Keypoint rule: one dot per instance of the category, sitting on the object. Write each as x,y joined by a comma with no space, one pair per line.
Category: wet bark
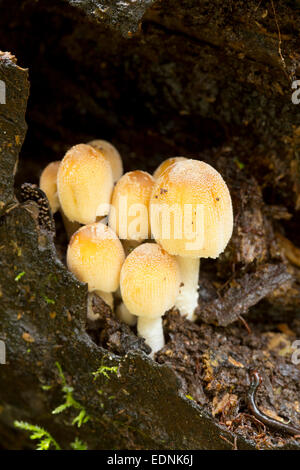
158,79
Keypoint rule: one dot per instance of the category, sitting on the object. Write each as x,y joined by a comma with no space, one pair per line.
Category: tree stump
158,79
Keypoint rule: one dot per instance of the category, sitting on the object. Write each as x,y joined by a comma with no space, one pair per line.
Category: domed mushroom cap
191,210
165,164
48,184
129,215
95,255
149,281
112,155
84,184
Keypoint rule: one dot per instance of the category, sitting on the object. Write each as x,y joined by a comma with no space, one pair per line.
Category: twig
279,41
249,290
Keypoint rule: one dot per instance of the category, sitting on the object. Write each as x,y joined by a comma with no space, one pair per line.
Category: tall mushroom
191,217
95,255
129,217
112,156
149,285
84,184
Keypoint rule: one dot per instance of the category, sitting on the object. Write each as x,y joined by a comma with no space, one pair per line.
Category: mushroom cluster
137,238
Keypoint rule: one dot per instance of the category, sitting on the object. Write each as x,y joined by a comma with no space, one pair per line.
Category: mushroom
197,198
165,164
84,183
123,313
48,184
149,285
129,217
95,255
112,155
129,212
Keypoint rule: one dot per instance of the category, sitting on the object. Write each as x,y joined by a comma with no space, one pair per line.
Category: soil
215,91
214,363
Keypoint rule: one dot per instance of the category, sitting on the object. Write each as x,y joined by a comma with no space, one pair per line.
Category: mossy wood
162,80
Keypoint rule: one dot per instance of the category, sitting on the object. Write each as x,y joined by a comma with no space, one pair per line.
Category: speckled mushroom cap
129,216
112,155
149,281
84,184
48,184
195,191
95,255
165,164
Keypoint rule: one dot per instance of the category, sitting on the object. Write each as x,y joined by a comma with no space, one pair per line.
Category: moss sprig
46,441
70,402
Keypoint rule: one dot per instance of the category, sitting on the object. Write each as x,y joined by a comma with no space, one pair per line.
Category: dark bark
201,79
12,123
42,321
124,16
246,293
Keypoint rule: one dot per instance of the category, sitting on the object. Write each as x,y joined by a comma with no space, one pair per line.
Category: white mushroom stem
125,316
151,329
187,300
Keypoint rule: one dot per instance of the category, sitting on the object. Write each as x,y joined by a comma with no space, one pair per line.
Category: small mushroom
48,184
191,217
149,285
95,255
84,183
124,315
112,155
165,164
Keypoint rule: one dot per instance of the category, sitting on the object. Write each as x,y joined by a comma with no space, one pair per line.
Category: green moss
45,440
105,371
19,276
70,402
49,301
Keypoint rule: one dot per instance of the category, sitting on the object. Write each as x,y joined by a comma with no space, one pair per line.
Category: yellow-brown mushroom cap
129,216
95,255
112,155
48,184
198,196
149,281
165,164
84,184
